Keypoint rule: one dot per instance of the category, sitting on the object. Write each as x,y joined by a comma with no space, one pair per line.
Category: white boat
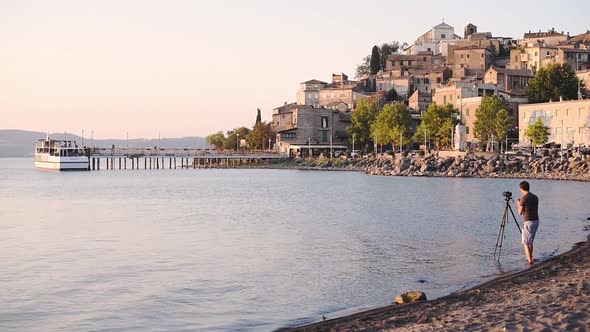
60,155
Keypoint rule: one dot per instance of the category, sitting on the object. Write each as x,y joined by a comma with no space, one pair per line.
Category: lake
228,249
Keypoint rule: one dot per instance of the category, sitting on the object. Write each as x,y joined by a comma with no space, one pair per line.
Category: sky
190,68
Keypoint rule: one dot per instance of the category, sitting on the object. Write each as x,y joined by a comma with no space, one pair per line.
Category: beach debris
422,281
411,296
588,218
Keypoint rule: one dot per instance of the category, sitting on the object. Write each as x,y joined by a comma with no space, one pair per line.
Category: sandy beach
552,295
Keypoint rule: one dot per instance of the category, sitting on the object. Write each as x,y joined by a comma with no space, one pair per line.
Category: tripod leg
514,217
500,238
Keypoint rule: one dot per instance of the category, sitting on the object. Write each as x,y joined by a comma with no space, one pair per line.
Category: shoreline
536,299
469,166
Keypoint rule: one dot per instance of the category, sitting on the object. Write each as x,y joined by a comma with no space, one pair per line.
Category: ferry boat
59,155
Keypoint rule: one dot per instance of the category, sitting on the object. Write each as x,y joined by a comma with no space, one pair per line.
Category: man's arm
520,203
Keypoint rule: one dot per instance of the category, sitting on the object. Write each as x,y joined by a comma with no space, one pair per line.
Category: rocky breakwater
471,165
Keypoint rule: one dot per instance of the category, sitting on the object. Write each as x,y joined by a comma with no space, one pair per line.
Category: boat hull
62,165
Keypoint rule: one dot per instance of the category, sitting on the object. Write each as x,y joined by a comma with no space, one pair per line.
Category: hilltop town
445,69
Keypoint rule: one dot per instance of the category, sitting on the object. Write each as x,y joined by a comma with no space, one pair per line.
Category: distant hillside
20,143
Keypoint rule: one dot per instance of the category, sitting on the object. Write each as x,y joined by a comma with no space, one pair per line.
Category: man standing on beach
528,206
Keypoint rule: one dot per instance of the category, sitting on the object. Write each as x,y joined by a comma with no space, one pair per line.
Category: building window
324,136
482,55
324,122
424,59
438,80
467,111
443,36
467,130
289,135
429,50
426,81
547,52
536,53
467,56
461,56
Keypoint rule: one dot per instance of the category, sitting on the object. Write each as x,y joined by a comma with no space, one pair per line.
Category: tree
487,121
364,68
438,123
392,123
552,82
538,133
375,60
502,125
387,49
260,135
392,95
258,116
231,143
217,140
362,119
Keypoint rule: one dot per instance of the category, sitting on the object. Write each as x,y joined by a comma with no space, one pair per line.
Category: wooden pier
157,158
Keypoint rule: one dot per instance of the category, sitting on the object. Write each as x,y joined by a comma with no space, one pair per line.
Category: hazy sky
195,67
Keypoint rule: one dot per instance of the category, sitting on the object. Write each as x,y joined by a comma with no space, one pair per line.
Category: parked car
542,152
355,154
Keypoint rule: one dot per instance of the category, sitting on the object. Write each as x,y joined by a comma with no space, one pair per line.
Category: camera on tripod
507,210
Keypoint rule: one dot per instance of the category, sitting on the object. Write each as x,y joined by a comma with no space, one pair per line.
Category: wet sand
553,295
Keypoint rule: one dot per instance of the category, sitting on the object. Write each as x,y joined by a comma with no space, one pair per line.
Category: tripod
500,238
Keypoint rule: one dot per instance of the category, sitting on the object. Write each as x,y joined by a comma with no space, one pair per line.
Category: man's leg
527,251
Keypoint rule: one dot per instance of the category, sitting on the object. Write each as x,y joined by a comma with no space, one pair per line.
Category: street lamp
237,142
82,137
309,146
425,147
562,136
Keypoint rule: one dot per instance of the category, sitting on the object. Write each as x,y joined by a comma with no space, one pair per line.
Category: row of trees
256,138
392,124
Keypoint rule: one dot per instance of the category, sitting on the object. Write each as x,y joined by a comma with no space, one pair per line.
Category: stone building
472,57
402,85
419,101
568,121
532,55
550,37
399,63
427,79
302,129
309,92
342,90
577,57
512,81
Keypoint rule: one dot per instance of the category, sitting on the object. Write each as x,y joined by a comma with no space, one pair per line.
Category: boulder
411,296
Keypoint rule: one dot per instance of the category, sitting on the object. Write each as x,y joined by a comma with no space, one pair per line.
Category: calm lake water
180,250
